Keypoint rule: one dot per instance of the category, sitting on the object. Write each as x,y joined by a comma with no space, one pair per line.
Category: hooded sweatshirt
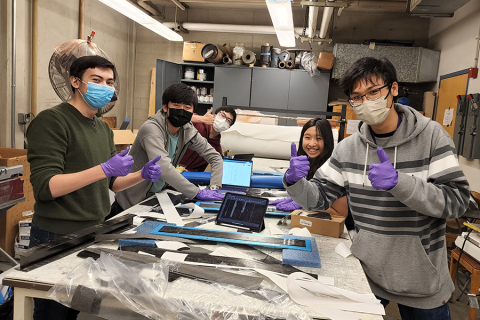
152,140
401,232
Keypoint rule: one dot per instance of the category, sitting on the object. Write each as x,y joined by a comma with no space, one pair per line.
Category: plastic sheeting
97,287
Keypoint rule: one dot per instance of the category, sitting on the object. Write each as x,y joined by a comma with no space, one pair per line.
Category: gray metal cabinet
167,73
308,93
233,83
270,88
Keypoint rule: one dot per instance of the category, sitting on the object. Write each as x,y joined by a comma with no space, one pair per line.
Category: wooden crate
350,116
9,220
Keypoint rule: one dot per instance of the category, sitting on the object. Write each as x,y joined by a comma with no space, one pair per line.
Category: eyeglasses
224,116
371,95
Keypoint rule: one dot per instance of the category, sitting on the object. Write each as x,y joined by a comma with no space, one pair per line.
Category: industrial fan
59,68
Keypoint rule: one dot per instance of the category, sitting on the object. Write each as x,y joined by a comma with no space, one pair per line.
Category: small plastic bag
309,63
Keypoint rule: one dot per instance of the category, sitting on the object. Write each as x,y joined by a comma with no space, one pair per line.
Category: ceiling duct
434,8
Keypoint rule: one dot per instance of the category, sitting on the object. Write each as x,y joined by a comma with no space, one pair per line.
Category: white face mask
372,112
220,124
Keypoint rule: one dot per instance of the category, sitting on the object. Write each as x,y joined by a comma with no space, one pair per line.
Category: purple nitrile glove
383,175
151,170
299,166
209,195
277,201
288,205
119,165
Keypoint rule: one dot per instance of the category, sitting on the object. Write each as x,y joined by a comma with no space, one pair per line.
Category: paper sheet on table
274,229
197,211
228,251
331,300
171,245
343,250
305,290
169,210
301,232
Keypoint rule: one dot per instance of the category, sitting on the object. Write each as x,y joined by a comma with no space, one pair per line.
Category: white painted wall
58,23
455,38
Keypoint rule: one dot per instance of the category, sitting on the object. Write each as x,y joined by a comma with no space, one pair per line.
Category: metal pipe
327,15
178,4
33,95
81,19
235,28
475,65
149,8
312,21
14,69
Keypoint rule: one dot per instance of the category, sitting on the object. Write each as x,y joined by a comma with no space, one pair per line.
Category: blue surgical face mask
98,95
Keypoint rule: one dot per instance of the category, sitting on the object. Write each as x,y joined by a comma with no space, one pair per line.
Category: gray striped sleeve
445,194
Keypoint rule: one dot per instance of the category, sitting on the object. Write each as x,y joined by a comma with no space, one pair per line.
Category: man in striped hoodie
402,179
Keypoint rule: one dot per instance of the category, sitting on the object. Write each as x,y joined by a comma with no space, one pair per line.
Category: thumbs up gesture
208,117
151,170
383,175
119,165
299,166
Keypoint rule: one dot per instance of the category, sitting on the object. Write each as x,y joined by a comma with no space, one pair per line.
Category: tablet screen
243,211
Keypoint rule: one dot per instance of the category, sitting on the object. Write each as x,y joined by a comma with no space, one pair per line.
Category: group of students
397,211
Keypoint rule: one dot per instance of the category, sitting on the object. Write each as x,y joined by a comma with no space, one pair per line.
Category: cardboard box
325,60
332,228
122,139
428,105
192,51
9,221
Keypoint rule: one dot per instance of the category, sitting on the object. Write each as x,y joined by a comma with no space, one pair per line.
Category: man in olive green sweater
73,163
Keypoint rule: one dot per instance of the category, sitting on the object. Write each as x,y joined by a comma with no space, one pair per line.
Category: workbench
347,272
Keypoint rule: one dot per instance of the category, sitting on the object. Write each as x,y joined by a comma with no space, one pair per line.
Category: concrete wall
348,28
455,37
58,23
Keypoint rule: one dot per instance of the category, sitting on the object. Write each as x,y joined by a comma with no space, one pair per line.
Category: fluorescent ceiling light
282,18
140,17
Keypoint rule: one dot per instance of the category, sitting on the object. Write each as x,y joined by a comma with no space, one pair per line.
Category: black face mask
179,117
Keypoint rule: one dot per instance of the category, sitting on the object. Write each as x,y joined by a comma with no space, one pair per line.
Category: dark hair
366,68
230,110
180,93
80,65
325,130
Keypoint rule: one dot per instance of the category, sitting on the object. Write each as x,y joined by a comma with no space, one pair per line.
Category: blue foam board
146,227
302,258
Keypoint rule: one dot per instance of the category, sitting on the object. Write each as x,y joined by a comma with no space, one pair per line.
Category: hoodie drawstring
366,161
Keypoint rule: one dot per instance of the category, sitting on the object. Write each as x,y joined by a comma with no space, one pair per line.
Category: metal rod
14,68
303,39
477,49
33,108
324,4
81,18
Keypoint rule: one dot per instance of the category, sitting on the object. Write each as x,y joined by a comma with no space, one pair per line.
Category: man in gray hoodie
402,179
170,133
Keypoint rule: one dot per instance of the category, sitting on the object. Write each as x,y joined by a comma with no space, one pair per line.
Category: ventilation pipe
327,15
149,8
234,28
312,20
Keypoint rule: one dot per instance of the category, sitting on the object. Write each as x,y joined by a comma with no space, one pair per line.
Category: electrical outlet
23,118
